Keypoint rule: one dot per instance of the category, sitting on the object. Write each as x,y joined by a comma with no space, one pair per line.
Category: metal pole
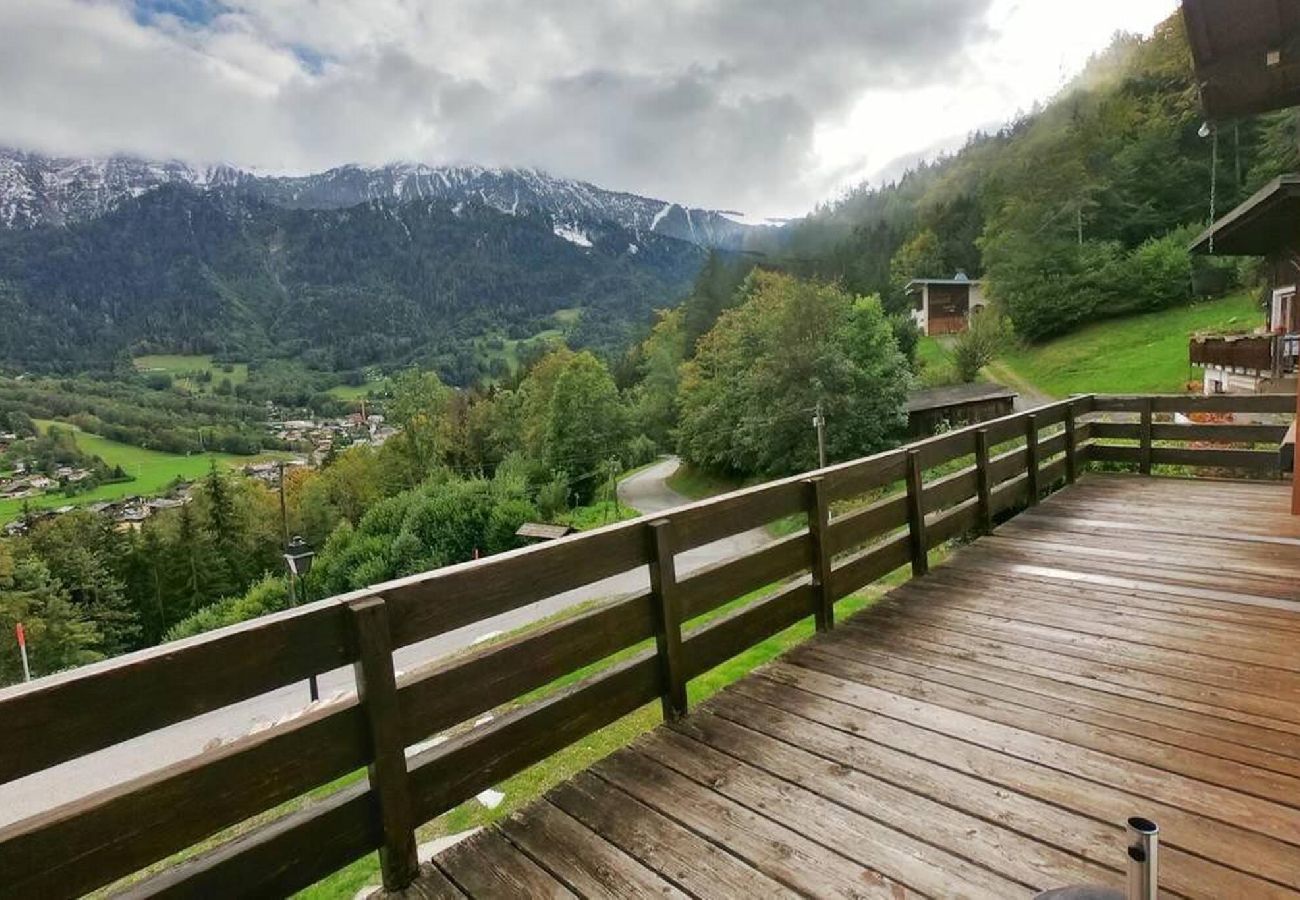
820,423
313,689
1143,862
284,512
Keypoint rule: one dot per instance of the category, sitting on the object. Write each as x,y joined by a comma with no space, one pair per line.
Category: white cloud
758,105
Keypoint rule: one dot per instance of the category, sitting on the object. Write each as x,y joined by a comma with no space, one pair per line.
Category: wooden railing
1251,352
890,510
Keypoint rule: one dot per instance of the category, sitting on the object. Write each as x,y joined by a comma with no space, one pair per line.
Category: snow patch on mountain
38,190
572,234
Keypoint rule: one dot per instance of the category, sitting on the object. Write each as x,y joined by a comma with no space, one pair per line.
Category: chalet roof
960,279
1246,54
543,531
957,395
1259,226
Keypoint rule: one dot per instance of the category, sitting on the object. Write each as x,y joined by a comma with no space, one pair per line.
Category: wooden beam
1144,437
1071,448
377,693
916,514
668,627
1031,458
984,488
818,522
1295,482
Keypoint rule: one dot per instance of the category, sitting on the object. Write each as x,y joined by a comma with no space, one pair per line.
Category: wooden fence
891,510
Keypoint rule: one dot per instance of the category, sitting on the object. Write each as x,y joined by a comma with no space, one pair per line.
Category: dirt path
1030,395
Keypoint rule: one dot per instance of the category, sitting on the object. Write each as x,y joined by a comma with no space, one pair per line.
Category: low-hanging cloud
713,103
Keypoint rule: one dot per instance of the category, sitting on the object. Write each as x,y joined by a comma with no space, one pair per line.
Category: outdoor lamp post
298,556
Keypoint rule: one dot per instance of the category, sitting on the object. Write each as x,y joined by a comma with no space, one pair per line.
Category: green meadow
152,470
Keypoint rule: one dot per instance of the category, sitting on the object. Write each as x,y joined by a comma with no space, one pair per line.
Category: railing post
983,488
1144,452
1071,462
377,694
668,626
819,517
1031,457
916,515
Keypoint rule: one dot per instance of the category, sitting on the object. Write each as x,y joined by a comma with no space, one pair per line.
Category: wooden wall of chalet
949,308
923,422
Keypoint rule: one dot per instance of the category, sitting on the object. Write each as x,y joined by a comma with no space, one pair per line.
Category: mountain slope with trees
1075,212
183,270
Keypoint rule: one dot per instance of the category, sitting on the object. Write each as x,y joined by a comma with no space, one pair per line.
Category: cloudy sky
762,106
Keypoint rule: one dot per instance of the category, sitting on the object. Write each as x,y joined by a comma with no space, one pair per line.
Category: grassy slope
354,392
1146,353
698,484
935,363
153,470
174,364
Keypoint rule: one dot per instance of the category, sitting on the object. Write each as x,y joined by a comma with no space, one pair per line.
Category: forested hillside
183,270
1078,211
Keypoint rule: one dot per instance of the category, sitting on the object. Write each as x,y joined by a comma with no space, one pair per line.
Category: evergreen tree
60,635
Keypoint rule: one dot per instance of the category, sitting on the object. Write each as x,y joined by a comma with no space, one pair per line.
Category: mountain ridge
38,190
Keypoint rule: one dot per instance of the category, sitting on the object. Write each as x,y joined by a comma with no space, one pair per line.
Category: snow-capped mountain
39,190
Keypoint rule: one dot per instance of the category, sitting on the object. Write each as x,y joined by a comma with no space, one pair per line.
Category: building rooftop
1246,54
957,395
959,278
1258,226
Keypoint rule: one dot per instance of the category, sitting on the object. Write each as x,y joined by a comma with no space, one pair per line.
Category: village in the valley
314,439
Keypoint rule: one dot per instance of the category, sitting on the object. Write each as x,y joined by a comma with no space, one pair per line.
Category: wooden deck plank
585,862
875,846
684,858
1215,680
720,748
487,865
1228,845
1175,687
1172,788
980,672
1080,730
975,781
1126,647
782,853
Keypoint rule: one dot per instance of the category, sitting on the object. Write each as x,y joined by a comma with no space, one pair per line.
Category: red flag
22,635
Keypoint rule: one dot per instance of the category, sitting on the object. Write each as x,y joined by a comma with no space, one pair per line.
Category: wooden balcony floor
1129,647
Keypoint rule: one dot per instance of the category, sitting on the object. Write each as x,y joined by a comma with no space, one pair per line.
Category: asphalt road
647,491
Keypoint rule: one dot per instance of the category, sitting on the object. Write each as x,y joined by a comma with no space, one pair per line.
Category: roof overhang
1246,54
1262,225
920,282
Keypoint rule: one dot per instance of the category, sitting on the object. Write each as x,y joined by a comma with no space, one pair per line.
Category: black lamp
298,556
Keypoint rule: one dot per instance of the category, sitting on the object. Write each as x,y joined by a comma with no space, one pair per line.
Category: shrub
980,344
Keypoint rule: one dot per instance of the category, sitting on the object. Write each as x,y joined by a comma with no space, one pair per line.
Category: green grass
935,363
1137,354
181,365
698,484
353,392
152,471
585,518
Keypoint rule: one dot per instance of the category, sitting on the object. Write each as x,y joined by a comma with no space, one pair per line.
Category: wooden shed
944,305
957,405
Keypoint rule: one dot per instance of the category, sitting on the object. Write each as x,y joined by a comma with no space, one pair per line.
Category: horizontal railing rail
860,521
1251,444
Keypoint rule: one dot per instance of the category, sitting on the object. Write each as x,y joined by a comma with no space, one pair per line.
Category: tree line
1079,210
468,467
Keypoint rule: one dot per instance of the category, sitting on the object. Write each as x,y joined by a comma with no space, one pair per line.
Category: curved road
647,491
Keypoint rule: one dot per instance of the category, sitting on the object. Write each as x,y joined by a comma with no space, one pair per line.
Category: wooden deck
1129,647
